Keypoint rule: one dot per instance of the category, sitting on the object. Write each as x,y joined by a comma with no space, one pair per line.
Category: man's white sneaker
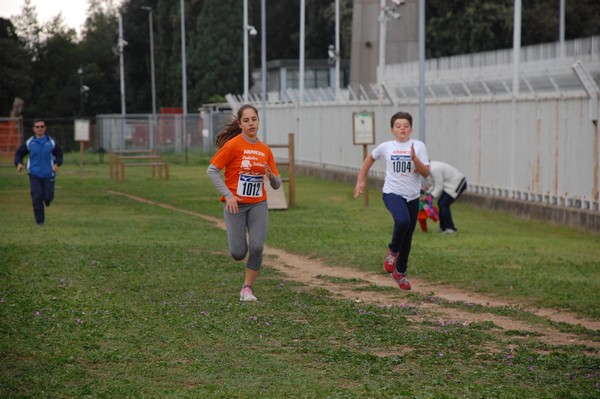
246,295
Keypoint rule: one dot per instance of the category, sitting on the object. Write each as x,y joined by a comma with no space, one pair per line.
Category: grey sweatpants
254,219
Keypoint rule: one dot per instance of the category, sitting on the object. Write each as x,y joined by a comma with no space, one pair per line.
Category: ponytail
233,128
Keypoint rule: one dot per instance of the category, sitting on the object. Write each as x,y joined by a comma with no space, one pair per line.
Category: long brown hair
233,128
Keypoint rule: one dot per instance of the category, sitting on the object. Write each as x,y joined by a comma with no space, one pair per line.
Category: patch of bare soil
336,280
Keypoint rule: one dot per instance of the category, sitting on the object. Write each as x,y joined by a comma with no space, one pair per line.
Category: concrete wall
402,44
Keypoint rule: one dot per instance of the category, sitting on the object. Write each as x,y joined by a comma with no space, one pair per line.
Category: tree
15,68
42,62
215,59
55,91
459,27
462,27
28,28
51,50
99,58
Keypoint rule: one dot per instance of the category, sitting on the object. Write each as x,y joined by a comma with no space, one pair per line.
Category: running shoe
246,295
390,261
402,281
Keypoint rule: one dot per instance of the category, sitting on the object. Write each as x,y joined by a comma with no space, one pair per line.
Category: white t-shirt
401,176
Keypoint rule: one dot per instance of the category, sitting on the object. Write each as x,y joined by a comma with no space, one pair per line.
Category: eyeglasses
39,126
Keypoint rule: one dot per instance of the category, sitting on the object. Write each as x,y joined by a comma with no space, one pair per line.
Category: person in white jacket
447,184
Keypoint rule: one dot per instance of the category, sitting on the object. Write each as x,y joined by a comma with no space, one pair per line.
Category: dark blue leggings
405,219
42,192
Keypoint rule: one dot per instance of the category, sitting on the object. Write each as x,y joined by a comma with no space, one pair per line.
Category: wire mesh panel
164,133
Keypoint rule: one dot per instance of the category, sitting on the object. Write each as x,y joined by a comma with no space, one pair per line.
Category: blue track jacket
43,153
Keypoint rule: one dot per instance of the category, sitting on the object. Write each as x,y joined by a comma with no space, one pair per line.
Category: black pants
444,203
42,192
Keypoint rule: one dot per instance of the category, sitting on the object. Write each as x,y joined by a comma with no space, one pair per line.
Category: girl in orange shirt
246,161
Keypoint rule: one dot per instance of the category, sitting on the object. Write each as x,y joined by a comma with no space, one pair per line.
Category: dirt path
315,274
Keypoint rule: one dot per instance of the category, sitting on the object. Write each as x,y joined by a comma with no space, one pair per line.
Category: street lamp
386,13
149,9
248,30
83,90
121,44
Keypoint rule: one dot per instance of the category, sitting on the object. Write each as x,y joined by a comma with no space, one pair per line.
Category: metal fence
539,144
14,131
163,133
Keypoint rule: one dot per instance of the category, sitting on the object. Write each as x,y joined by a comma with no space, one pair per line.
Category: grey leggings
251,217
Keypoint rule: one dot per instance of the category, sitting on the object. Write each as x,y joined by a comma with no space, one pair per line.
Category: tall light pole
561,32
245,32
149,9
385,14
183,61
248,30
302,50
122,43
515,89
422,70
183,79
263,64
80,72
382,40
333,53
337,48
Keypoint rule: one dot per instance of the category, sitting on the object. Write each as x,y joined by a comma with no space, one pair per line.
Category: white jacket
444,178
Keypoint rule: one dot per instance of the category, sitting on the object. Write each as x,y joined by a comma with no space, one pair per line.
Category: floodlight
332,54
331,51
252,30
392,12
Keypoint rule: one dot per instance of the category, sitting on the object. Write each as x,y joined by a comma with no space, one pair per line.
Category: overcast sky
73,11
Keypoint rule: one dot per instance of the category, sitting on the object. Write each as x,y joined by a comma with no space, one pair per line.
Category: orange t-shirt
244,162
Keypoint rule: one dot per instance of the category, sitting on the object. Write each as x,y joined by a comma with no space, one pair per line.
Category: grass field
115,298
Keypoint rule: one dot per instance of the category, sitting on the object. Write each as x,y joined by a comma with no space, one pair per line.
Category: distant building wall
402,41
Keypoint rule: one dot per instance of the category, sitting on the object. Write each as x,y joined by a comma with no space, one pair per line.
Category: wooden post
81,157
111,164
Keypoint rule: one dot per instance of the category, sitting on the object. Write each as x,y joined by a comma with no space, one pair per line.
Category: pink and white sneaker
246,295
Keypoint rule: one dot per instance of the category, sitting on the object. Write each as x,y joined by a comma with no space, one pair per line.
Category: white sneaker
246,295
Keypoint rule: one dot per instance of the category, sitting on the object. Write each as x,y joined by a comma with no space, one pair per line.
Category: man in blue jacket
45,156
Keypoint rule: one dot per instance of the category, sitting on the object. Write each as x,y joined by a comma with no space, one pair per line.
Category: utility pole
122,43
152,80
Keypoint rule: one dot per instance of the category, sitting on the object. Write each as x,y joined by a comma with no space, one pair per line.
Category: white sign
82,130
363,124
